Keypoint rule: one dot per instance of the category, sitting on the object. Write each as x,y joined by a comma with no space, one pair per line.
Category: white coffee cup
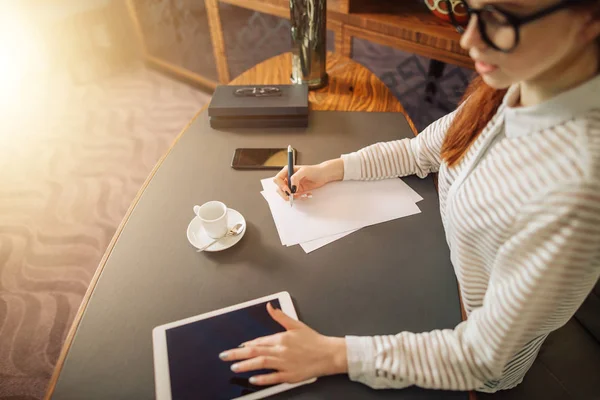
214,218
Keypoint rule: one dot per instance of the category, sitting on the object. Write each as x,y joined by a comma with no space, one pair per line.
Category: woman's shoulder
586,145
569,151
568,163
588,123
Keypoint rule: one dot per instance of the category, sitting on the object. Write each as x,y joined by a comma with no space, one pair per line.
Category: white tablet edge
161,361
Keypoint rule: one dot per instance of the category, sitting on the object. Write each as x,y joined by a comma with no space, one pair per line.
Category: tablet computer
186,352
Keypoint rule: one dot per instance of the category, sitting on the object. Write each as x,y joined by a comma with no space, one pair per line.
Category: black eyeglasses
257,92
500,29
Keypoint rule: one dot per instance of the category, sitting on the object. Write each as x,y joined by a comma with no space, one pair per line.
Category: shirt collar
520,121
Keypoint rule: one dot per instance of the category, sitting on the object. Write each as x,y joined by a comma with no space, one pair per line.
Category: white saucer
198,237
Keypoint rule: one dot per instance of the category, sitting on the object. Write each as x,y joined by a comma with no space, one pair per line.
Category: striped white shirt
522,219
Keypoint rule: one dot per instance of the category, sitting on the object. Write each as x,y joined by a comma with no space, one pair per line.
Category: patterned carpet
405,74
72,159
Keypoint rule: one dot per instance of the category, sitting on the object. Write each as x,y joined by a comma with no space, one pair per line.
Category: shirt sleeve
540,276
419,155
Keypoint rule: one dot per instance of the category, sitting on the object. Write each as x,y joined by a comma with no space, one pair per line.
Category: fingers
281,180
297,196
282,194
282,174
268,379
303,196
283,319
260,362
271,340
296,179
248,352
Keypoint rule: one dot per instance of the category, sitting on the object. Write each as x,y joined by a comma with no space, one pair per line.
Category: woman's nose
472,37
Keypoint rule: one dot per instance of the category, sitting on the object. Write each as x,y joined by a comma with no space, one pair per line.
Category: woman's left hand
298,354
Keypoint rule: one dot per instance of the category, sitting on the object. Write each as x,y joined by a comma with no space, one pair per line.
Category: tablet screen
193,351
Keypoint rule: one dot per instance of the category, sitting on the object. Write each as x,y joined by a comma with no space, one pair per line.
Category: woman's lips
485,68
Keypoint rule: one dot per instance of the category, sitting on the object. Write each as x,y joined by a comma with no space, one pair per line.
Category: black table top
382,279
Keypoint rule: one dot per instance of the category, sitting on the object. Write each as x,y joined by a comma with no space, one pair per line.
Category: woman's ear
590,30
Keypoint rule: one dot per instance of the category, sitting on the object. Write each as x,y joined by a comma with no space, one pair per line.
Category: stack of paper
338,209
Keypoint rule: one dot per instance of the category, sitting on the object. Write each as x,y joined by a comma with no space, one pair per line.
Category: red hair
483,103
470,120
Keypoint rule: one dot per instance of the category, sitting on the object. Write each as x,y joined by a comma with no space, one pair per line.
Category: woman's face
544,45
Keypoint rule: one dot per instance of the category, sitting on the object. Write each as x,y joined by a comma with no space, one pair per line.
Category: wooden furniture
150,275
351,87
407,25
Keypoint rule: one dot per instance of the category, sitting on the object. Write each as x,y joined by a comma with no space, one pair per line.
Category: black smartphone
260,158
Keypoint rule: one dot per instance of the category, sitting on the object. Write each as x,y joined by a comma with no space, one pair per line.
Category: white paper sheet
313,245
318,243
339,207
416,197
275,219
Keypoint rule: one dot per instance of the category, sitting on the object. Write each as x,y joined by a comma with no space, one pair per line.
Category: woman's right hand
308,177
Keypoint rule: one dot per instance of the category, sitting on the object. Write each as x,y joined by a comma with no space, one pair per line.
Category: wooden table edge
88,294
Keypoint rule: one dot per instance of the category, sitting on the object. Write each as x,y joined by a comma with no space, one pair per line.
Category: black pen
290,173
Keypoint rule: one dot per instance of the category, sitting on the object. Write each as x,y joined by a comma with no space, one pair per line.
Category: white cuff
361,354
352,169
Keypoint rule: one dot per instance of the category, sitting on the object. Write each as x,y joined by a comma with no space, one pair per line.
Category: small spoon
236,230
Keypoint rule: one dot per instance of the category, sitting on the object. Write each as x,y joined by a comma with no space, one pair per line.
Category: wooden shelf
280,8
382,15
379,15
407,25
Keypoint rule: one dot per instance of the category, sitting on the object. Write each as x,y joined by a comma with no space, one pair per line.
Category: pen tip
289,148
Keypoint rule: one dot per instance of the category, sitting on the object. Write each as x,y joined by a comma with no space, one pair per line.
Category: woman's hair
470,120
475,114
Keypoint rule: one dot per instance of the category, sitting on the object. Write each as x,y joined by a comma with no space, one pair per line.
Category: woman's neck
565,75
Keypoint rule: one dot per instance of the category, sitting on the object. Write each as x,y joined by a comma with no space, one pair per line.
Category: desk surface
381,280
151,275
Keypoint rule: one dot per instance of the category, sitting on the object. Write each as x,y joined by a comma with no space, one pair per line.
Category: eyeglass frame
515,21
268,91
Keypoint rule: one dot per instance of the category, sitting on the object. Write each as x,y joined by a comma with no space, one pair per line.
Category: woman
519,186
